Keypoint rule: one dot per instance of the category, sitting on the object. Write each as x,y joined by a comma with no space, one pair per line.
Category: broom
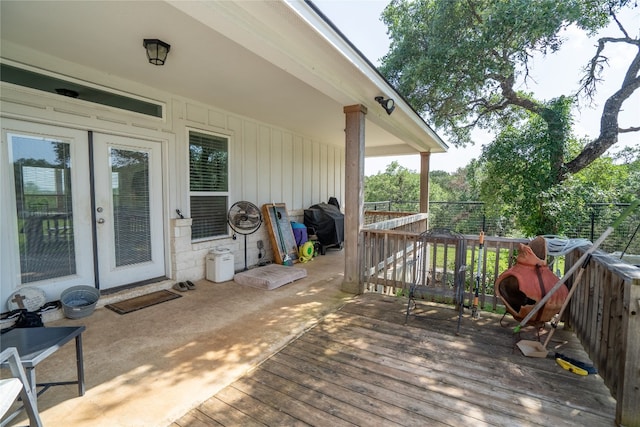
474,307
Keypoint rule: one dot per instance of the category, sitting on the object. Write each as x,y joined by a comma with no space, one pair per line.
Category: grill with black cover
327,222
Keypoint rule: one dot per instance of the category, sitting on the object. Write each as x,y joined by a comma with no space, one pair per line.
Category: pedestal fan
244,218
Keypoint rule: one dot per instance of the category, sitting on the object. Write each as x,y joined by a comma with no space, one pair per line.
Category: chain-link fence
470,218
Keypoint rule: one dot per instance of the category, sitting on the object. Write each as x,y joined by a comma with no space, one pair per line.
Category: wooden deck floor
363,366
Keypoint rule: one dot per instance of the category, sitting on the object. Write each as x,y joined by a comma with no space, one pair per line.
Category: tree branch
472,7
628,130
620,26
512,97
632,72
609,128
597,63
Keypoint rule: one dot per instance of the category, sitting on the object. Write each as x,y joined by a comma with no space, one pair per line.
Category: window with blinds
208,184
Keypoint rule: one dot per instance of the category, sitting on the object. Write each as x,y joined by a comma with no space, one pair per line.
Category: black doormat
138,303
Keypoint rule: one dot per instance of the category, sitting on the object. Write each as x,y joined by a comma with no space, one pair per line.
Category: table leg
80,365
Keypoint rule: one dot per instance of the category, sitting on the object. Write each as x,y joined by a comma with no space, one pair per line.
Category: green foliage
396,183
399,184
437,192
518,180
457,61
518,170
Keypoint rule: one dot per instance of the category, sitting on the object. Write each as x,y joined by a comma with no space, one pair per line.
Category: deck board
328,397
363,366
226,414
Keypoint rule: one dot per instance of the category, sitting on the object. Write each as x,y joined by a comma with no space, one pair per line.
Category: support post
425,158
354,197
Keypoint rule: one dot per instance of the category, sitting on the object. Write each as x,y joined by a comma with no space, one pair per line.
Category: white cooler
219,265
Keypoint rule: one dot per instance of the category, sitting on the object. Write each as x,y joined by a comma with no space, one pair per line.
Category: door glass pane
42,174
130,190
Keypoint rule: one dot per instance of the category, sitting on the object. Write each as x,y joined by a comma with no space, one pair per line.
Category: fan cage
244,217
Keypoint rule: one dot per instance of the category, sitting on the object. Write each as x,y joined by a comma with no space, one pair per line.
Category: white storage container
219,265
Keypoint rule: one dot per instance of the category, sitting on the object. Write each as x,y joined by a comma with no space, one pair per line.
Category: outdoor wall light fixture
157,51
388,104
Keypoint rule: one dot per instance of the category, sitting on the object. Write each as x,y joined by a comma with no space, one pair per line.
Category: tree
515,181
515,176
458,186
460,61
395,184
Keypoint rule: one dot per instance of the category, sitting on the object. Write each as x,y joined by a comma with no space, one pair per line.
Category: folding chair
11,388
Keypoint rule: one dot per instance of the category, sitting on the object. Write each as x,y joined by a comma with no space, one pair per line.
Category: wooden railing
380,218
394,260
605,314
605,311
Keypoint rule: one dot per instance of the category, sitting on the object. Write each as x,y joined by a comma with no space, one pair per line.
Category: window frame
199,193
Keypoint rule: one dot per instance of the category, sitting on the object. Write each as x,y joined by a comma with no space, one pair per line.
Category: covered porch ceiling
278,62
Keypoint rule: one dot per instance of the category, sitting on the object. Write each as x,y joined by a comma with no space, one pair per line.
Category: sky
359,21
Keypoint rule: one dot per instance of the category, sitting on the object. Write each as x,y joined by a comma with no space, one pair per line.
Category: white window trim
226,194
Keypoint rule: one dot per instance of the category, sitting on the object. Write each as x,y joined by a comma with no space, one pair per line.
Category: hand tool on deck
474,307
534,348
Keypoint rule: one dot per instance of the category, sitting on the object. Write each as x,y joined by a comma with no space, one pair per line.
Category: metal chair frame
17,386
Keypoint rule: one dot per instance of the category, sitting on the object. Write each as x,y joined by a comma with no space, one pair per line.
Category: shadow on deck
362,366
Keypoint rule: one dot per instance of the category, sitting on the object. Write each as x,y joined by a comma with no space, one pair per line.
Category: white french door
62,228
128,209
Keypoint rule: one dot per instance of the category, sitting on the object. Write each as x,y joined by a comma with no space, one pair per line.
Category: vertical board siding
264,180
315,172
236,176
266,164
339,170
331,173
248,163
298,171
307,182
278,165
324,173
283,167
288,171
